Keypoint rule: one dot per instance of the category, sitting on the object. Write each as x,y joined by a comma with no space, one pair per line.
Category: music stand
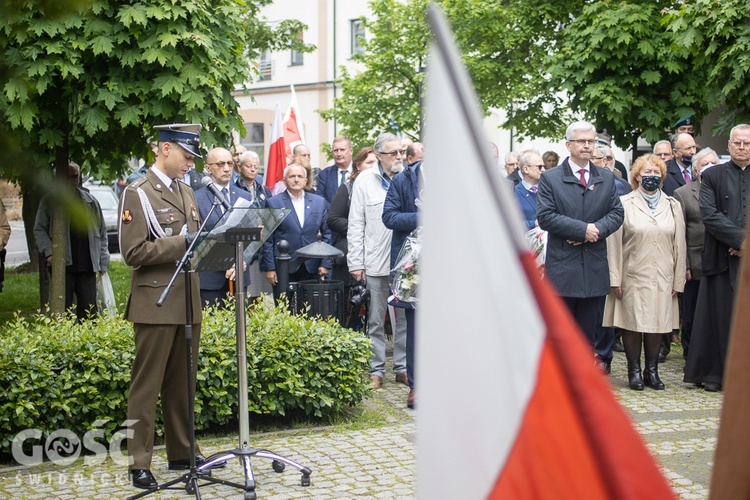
241,232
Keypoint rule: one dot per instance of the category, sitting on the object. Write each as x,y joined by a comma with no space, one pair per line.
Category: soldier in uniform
159,217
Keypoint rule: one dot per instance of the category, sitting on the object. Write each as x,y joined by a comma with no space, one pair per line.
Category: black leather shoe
711,387
618,347
143,479
184,464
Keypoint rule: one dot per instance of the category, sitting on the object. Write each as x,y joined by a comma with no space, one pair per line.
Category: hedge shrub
57,374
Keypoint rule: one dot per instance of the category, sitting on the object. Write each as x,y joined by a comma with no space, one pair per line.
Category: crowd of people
645,263
634,256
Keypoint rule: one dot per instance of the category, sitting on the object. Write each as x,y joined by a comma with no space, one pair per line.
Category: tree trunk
59,228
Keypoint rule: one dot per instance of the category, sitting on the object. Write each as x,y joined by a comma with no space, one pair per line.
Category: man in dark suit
679,169
687,195
723,202
332,177
219,164
300,228
578,205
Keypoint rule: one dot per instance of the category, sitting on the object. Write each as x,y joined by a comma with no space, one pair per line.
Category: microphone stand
190,479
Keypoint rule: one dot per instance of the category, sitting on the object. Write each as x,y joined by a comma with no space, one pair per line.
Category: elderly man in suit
219,163
330,178
679,168
300,228
159,218
578,205
687,195
531,170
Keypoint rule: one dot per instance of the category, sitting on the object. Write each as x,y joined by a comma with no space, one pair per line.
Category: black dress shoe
711,387
618,347
143,479
184,464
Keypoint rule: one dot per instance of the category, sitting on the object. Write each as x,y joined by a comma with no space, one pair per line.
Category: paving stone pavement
679,425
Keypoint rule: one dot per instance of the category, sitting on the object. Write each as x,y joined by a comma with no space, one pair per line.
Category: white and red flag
510,402
293,134
276,153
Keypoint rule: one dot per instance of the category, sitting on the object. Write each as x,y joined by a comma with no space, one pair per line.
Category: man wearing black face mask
679,170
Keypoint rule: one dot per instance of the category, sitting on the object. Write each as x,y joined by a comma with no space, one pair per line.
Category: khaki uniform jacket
153,259
647,258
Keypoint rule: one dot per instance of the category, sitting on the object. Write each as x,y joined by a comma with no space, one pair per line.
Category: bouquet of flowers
537,239
405,275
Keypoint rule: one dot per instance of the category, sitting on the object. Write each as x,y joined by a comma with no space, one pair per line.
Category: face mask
651,182
686,159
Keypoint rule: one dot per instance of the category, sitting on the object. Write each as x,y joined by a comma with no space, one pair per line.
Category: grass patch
20,294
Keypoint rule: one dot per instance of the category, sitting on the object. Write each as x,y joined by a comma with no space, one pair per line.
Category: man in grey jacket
86,250
368,257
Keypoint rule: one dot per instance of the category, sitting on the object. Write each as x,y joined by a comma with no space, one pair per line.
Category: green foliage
57,374
98,75
616,65
715,36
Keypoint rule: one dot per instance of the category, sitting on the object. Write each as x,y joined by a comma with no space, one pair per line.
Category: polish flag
276,154
292,131
510,402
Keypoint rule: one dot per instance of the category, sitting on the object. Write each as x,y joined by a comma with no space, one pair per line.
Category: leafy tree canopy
95,76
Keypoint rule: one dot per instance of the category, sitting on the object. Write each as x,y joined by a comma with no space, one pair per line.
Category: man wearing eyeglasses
578,205
663,149
603,157
531,168
369,251
679,168
723,201
511,167
333,176
219,165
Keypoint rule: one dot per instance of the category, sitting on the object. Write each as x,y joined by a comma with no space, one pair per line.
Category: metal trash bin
324,298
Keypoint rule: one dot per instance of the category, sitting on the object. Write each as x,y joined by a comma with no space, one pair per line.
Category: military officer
158,218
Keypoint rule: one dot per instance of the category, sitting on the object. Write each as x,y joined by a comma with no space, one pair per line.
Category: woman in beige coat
647,268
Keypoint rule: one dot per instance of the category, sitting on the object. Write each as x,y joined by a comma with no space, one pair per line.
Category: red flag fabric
276,153
511,404
291,132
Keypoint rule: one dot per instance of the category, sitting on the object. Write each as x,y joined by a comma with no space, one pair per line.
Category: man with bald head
679,169
219,165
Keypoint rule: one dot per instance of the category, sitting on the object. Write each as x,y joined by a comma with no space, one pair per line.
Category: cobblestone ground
679,424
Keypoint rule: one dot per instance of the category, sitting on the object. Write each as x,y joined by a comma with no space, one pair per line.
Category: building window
296,54
265,66
253,141
357,35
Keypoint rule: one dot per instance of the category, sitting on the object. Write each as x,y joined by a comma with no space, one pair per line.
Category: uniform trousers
160,367
379,290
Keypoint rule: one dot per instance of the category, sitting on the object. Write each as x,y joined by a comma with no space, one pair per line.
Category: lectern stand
236,238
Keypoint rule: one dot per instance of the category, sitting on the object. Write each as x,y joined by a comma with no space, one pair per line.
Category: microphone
209,184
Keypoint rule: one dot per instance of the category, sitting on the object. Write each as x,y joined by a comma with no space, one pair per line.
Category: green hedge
56,374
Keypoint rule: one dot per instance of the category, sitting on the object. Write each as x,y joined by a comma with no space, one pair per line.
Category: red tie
582,174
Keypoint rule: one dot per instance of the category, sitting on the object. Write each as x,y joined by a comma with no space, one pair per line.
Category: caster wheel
278,466
305,481
250,495
190,488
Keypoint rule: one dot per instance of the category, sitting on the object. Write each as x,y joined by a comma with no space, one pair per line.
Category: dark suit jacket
328,183
722,207
687,195
564,208
195,179
527,202
215,280
316,213
674,178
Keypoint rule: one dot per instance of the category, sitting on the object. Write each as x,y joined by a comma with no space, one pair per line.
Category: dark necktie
225,194
343,177
582,174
